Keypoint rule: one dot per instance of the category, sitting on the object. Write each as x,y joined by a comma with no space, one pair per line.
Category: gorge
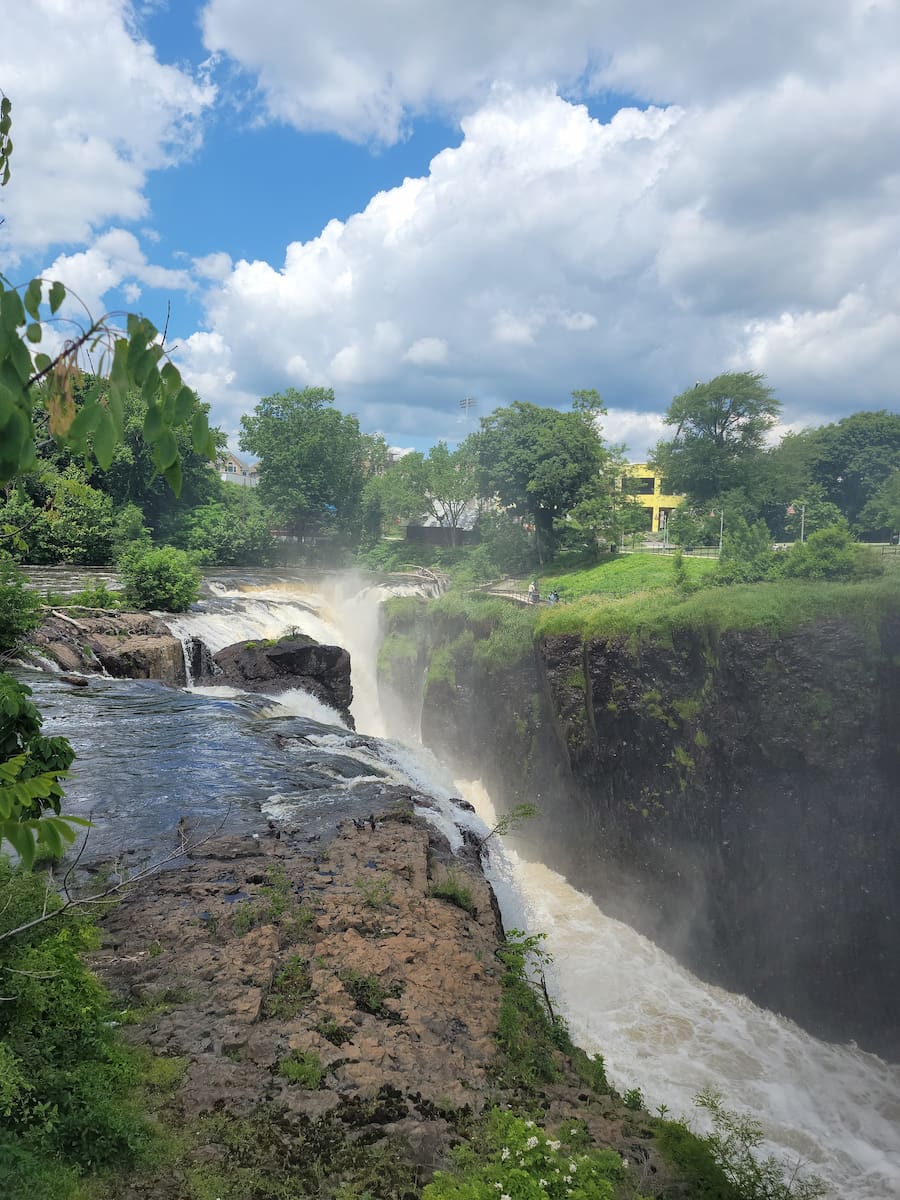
516,732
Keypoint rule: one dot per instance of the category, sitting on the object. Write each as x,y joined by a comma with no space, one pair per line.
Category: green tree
163,578
881,515
854,457
720,428
313,460
540,462
440,484
234,531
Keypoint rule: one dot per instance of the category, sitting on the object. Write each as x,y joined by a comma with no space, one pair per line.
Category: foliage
538,461
163,579
852,459
829,554
519,1159
19,607
809,511
735,1142
511,821
720,427
95,595
303,1067
234,531
692,526
881,514
504,542
441,484
313,460
452,889
31,769
747,554
65,1080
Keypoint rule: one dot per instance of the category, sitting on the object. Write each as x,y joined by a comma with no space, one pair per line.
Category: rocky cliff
736,796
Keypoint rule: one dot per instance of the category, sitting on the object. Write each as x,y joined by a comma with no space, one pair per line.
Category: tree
854,457
747,555
881,515
313,460
441,484
719,431
163,578
41,396
539,462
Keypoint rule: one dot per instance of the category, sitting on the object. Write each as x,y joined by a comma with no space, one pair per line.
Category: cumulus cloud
551,250
93,112
363,70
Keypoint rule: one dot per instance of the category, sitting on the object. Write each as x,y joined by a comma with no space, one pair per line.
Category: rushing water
149,755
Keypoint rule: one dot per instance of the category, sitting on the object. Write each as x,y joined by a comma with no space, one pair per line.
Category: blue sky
414,203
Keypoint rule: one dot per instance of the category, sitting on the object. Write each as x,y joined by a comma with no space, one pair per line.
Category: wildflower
542,1183
504,1154
504,1196
529,1124
554,1145
531,1143
573,1166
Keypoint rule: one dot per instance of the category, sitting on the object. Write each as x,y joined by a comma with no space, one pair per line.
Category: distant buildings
232,470
648,489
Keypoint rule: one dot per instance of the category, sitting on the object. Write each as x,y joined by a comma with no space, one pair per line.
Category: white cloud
363,70
553,251
93,112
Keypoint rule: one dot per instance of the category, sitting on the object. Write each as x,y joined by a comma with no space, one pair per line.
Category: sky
418,202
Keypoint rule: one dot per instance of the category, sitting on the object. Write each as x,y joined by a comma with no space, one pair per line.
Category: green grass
775,608
621,575
303,1067
452,889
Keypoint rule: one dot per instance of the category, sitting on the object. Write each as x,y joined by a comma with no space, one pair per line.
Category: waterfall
658,1027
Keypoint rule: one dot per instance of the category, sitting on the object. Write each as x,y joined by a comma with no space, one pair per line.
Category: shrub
164,578
829,554
19,607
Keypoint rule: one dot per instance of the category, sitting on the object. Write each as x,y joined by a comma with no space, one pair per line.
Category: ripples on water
148,755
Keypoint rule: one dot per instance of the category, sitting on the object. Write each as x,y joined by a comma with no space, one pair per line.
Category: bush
829,554
19,607
65,1079
165,578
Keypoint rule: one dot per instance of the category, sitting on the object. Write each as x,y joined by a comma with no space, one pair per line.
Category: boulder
132,645
290,662
145,657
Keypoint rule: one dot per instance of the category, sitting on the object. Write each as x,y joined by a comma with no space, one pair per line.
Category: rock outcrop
130,645
732,795
290,662
326,1005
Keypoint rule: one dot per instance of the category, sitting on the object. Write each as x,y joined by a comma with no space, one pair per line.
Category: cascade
658,1027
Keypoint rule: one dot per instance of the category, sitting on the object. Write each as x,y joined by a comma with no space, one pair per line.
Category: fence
692,551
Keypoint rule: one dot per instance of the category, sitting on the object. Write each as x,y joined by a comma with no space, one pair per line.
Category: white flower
542,1183
529,1124
504,1153
498,1186
573,1166
554,1145
531,1143
504,1196
624,1162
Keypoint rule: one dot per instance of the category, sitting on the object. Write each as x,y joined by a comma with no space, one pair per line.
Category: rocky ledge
127,645
333,1015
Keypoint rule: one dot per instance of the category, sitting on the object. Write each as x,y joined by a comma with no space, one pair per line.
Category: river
149,755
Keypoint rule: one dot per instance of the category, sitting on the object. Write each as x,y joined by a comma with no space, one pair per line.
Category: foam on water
669,1033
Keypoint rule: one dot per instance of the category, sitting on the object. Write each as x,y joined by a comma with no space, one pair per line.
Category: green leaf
57,295
165,450
199,432
171,378
153,424
86,422
172,476
42,361
184,405
104,439
33,332
20,838
12,312
32,299
48,836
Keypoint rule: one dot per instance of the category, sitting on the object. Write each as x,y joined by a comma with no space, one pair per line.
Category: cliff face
736,797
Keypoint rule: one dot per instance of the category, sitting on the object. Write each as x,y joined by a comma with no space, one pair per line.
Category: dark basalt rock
290,662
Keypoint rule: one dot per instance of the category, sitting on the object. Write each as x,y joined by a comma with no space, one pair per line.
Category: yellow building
648,488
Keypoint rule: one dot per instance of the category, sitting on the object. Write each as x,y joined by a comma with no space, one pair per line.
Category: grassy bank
775,608
620,575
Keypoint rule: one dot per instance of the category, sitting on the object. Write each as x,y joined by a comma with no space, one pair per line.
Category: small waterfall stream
659,1027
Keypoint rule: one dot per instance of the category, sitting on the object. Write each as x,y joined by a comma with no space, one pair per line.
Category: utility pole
721,529
802,523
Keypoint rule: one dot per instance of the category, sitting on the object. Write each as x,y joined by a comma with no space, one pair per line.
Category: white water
658,1027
